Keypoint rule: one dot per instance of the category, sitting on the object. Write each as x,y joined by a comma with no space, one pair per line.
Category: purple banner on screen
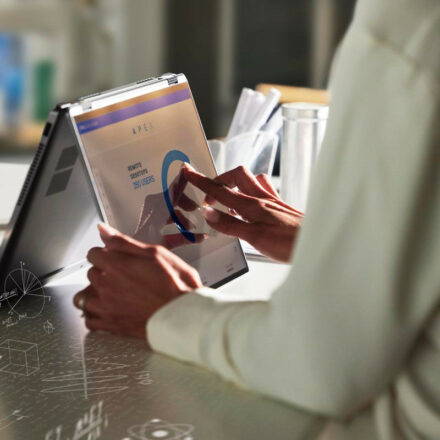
132,111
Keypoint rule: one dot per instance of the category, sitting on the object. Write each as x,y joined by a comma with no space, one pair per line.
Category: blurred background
56,50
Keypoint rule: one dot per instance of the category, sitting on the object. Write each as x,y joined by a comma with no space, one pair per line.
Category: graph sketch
20,284
8,420
90,426
92,377
159,429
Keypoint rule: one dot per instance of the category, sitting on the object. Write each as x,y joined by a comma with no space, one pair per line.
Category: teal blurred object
43,78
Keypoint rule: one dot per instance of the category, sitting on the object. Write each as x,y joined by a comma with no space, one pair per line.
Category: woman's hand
129,281
155,216
265,221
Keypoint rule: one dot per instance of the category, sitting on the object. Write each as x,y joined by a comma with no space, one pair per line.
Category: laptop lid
55,217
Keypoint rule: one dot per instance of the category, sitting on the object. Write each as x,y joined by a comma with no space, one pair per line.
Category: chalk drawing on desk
48,327
19,357
91,379
143,377
159,429
20,284
15,416
90,426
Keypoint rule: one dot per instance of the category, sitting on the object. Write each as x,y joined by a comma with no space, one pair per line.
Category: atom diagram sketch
91,379
157,429
19,284
15,416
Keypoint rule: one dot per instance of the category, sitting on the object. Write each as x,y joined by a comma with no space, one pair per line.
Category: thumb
229,225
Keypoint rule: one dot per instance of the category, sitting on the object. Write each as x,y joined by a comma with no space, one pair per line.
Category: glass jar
303,130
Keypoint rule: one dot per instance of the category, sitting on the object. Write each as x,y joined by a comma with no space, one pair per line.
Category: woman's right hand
259,215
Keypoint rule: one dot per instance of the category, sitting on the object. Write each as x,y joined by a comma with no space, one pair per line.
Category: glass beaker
303,130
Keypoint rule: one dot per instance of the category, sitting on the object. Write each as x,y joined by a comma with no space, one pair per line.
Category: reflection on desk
59,382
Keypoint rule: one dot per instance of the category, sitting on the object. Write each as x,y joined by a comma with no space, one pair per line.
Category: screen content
135,150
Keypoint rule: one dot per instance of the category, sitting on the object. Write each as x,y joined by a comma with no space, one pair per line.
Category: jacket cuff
193,328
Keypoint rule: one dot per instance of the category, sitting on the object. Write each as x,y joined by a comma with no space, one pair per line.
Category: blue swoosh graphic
169,159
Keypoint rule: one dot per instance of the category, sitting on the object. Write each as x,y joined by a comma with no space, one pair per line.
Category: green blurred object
43,89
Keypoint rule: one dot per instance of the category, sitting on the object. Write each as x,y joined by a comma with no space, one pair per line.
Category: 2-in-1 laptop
117,157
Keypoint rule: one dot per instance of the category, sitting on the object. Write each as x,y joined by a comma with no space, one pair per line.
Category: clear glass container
303,130
255,150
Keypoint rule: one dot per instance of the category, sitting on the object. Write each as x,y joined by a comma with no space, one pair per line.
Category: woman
354,331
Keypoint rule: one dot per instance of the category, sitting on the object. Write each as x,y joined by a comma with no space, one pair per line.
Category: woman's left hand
129,282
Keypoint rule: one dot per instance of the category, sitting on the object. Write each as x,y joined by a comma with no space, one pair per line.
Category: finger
108,233
186,203
126,327
97,278
265,182
178,185
116,241
244,180
247,206
183,270
186,223
230,225
93,306
95,323
106,259
173,241
89,290
179,198
120,266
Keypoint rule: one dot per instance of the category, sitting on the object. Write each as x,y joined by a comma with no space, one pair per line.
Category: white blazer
354,332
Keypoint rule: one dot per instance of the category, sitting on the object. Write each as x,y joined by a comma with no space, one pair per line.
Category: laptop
116,157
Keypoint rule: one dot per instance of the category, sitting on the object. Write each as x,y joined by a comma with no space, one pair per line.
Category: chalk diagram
15,416
19,357
90,426
21,283
159,429
144,378
92,379
48,327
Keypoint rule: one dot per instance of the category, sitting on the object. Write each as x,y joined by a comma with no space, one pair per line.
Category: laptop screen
134,149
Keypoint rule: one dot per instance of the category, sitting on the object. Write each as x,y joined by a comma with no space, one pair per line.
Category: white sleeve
365,273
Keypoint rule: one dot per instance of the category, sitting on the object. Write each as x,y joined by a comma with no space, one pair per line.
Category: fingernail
188,166
210,214
208,201
106,230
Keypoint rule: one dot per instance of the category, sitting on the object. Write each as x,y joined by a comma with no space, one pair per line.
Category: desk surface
59,382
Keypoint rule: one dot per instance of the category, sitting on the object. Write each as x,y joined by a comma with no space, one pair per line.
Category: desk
59,382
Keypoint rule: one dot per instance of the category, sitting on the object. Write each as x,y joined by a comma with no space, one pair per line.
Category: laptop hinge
172,78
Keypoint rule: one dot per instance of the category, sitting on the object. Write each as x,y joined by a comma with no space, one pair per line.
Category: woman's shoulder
410,28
